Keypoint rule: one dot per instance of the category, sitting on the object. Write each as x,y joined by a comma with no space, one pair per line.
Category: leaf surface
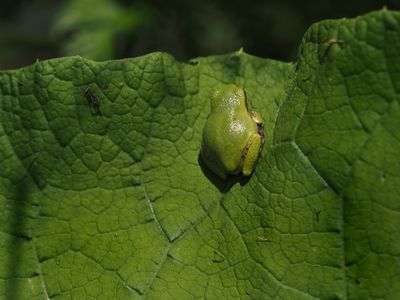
104,195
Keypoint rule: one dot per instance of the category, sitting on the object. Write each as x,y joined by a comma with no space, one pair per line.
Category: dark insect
307,77
93,102
218,257
317,213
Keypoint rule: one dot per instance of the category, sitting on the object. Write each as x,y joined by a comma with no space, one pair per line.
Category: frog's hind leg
251,153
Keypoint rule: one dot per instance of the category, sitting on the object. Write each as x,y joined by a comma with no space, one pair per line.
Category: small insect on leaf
306,78
328,44
93,102
193,62
263,239
218,257
317,213
331,42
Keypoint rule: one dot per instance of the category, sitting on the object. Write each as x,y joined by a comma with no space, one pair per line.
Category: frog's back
226,137
227,131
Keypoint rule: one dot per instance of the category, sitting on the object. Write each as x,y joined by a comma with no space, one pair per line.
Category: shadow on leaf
223,185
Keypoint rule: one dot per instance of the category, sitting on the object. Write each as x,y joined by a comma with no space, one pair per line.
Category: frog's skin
233,136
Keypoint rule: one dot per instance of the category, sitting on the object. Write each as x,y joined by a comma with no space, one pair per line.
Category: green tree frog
233,135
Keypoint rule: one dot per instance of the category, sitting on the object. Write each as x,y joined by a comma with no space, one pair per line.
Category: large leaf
113,202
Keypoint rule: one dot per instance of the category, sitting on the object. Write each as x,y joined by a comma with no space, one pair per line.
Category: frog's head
228,97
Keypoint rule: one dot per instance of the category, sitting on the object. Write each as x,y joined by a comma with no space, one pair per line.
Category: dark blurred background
108,29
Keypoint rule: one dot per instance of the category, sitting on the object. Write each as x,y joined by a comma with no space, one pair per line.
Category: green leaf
108,198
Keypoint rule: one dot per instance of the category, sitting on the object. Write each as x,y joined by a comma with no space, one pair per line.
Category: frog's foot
251,153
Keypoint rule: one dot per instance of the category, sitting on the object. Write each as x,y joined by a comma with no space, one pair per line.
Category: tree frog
233,135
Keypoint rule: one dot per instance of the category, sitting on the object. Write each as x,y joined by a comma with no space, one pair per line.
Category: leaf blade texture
113,203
